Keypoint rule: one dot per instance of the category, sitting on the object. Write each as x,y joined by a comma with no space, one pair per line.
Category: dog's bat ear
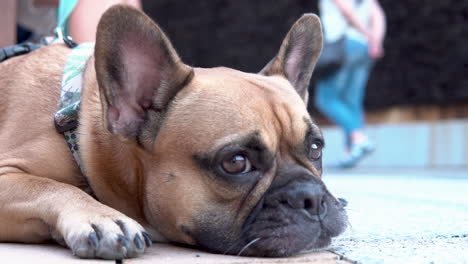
138,70
298,54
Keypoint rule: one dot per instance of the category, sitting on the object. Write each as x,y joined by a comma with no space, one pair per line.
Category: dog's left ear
138,71
298,54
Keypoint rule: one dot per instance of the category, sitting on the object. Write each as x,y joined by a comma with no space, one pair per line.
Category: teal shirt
63,14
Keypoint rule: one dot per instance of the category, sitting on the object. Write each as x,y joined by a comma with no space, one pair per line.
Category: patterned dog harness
66,118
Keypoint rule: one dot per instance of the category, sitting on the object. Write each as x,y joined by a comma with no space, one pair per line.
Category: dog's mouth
280,231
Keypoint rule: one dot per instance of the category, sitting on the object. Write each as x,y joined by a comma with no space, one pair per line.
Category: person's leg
357,83
83,21
328,98
359,69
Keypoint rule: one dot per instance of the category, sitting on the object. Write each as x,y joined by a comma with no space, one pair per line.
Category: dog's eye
315,151
237,164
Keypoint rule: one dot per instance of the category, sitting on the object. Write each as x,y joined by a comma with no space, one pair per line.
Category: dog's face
240,160
232,160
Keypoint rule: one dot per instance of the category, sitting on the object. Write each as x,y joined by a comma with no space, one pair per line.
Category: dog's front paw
107,236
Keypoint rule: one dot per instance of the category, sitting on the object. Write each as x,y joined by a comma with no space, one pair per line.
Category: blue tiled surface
408,145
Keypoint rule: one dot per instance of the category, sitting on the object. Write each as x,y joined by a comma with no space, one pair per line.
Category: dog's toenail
138,242
148,239
93,240
123,241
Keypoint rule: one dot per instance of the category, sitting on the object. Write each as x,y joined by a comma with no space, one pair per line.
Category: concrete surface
171,254
157,254
415,217
404,216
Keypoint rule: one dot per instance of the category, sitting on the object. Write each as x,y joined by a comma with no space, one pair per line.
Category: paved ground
158,254
404,216
395,216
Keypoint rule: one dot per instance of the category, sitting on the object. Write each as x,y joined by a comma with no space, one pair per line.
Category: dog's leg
34,209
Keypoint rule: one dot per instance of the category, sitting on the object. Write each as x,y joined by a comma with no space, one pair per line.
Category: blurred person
35,20
79,18
339,96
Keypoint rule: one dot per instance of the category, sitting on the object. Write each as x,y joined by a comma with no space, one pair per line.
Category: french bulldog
216,158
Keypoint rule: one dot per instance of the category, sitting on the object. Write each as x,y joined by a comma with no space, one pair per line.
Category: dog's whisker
248,245
235,243
351,209
231,246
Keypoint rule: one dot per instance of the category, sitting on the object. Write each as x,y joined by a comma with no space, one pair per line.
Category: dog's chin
285,242
281,233
277,232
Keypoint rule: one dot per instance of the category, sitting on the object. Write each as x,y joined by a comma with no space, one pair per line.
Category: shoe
356,154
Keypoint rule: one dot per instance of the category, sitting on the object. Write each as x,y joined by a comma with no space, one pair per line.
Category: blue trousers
340,96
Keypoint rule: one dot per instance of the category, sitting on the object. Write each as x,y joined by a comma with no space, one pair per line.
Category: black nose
309,197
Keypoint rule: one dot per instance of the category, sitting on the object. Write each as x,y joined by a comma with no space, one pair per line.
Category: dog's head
232,160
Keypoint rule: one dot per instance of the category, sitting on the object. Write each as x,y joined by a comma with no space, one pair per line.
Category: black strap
69,41
26,47
16,50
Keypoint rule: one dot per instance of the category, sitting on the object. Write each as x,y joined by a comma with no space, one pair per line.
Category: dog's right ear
298,54
138,71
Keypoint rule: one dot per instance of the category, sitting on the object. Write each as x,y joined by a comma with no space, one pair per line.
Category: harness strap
66,118
17,50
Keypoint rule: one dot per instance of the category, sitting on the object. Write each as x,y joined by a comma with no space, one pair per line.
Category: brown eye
315,152
237,164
